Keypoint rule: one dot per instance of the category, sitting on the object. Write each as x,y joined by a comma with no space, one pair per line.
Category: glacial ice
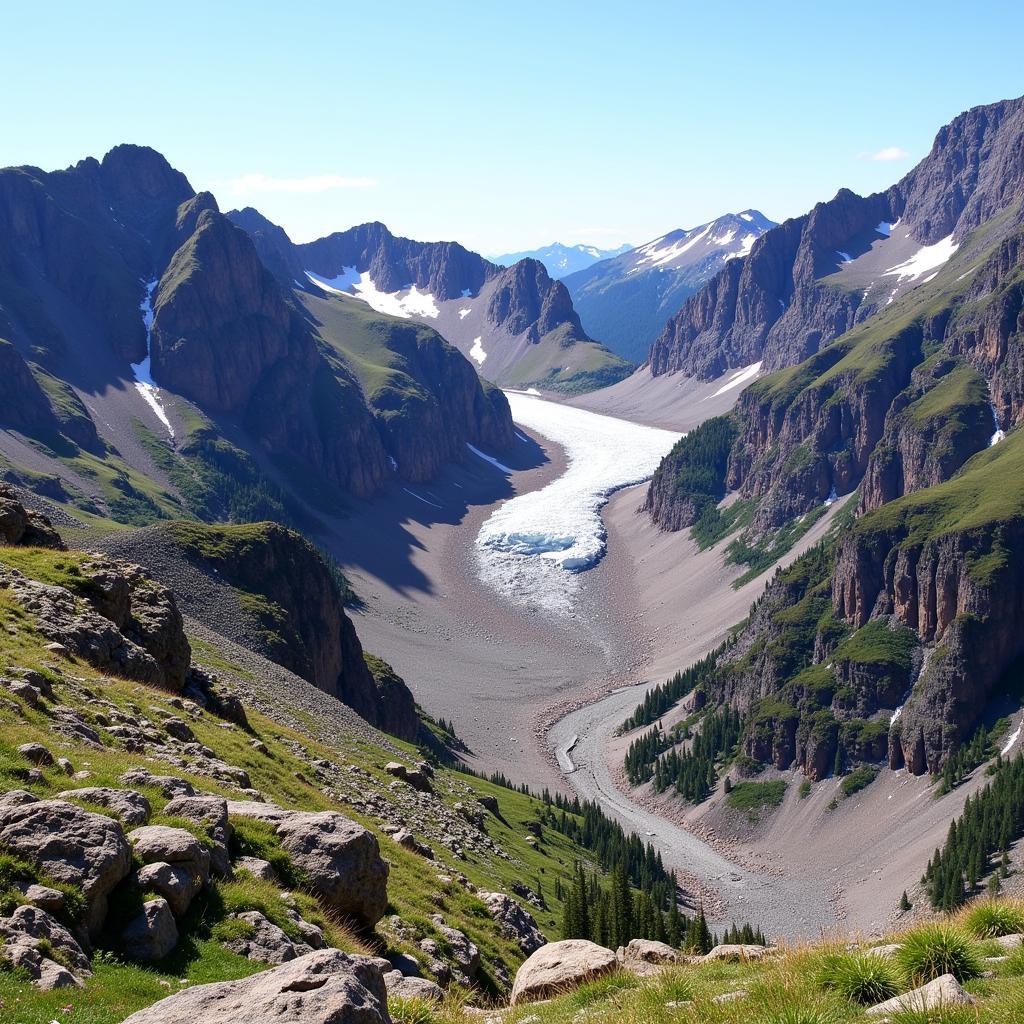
531,547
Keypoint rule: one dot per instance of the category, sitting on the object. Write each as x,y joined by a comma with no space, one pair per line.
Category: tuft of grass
405,1010
859,977
932,950
991,918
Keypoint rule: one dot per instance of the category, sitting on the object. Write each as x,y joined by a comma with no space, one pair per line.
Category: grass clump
991,918
411,1010
932,950
860,977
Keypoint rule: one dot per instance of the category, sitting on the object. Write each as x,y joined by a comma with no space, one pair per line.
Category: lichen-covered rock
650,951
325,987
177,884
31,939
131,807
264,941
412,988
515,922
341,860
211,814
735,951
70,845
559,967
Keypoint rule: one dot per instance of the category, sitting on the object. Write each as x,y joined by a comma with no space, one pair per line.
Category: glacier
533,546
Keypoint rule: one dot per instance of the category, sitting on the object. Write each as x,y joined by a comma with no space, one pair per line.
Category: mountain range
561,260
894,326
627,299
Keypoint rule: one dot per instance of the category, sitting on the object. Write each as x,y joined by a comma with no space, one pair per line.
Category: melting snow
531,547
143,373
928,257
999,432
896,714
657,256
738,378
844,256
746,244
463,313
1014,736
832,497
477,352
351,282
726,238
487,458
745,216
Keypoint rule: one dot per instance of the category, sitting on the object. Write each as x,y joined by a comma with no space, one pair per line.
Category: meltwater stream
531,547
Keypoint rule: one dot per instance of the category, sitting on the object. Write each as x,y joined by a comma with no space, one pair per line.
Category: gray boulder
940,994
559,967
70,845
413,988
36,753
264,941
649,951
30,939
152,934
515,922
342,861
257,867
735,952
131,807
211,813
326,987
178,884
169,785
154,844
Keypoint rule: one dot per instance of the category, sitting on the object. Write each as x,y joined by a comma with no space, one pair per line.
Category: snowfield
531,547
739,378
928,257
350,282
144,383
477,352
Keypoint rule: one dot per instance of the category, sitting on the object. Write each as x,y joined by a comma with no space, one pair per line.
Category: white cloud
255,184
890,153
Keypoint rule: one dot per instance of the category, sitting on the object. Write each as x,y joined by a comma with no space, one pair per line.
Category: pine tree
904,902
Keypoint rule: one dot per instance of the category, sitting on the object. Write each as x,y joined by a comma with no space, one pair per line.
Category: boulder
25,931
264,941
649,951
42,896
177,884
152,934
70,845
169,785
1010,941
515,922
257,867
941,993
559,967
154,844
734,951
416,777
131,807
887,951
341,860
210,813
462,951
413,988
17,798
325,987
36,753
408,841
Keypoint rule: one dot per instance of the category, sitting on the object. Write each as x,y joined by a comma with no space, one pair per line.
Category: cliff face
300,606
525,299
956,586
445,269
773,307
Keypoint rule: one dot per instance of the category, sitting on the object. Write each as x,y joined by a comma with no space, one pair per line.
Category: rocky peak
526,299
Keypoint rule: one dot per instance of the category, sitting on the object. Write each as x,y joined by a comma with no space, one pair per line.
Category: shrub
932,950
860,977
992,918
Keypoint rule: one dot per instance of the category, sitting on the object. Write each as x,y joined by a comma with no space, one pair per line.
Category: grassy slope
414,888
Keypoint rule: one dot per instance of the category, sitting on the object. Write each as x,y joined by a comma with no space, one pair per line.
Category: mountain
516,323
115,274
561,260
627,300
902,387
814,277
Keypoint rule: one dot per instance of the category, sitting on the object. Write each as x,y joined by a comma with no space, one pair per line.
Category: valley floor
539,697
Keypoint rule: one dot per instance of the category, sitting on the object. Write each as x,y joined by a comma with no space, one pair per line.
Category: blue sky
506,125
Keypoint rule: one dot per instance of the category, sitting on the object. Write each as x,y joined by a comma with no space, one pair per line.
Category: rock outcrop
516,923
325,987
69,845
20,525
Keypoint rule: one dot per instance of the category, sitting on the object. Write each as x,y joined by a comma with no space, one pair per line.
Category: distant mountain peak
560,259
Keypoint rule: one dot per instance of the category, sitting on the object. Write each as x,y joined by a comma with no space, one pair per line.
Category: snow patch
746,244
844,256
463,313
420,498
928,257
405,303
1014,736
143,372
745,216
999,432
477,352
657,256
739,378
885,228
531,547
487,458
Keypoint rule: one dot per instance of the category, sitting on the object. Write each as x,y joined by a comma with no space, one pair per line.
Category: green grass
931,950
860,977
860,778
755,796
988,919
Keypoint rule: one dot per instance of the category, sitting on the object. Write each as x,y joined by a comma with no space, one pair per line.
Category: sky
505,126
